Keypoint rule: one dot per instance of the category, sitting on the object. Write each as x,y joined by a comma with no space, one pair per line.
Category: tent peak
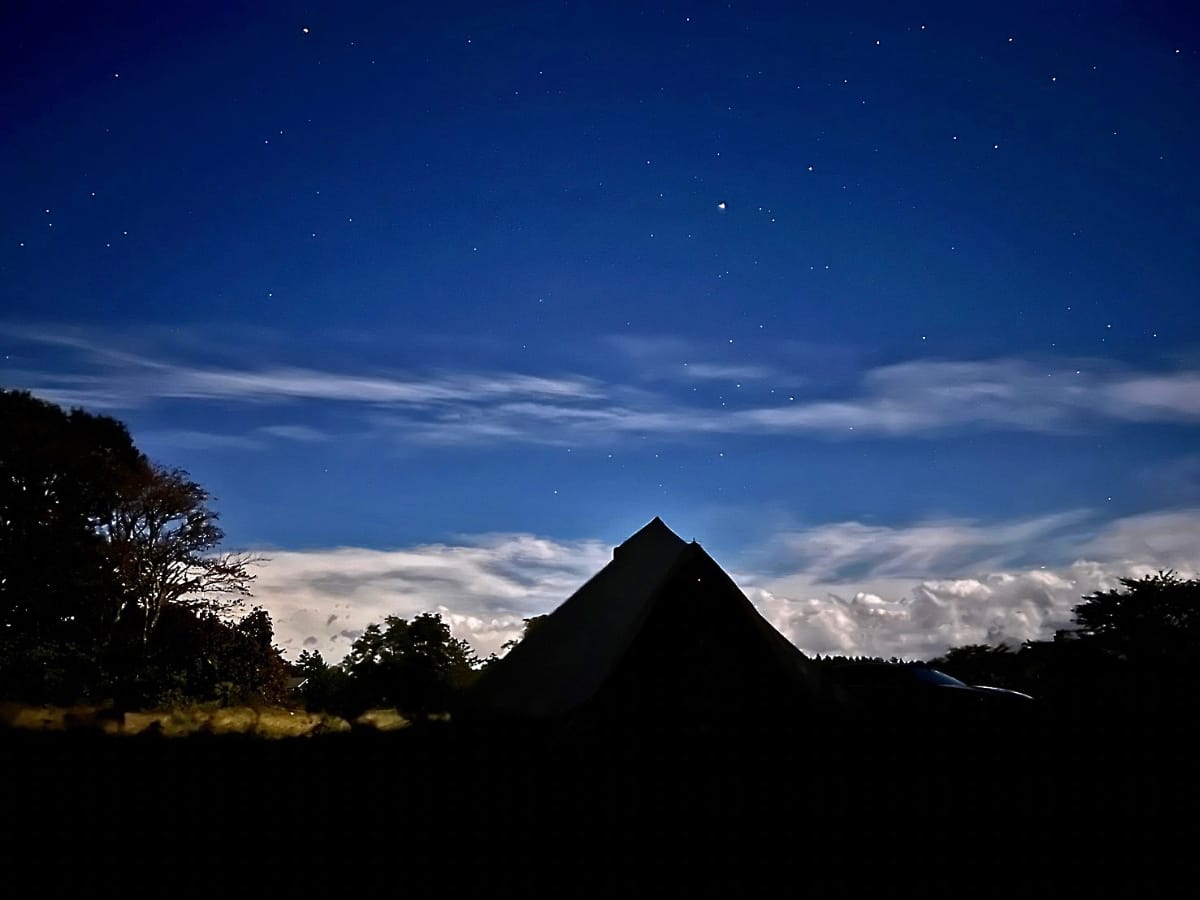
655,532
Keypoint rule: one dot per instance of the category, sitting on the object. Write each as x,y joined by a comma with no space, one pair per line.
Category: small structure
661,632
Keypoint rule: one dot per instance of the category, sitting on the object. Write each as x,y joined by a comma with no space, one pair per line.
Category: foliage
1132,652
60,476
110,586
323,685
161,537
50,669
999,666
199,656
416,666
1153,621
531,625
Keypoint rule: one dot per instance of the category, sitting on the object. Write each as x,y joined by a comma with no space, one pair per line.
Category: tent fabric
661,625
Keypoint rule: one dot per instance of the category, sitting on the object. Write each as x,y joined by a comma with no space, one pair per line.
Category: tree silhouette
323,685
198,656
61,475
1137,645
161,537
1130,656
99,547
1154,620
531,625
416,666
999,666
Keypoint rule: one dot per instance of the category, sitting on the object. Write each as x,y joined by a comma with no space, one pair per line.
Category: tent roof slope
566,659
704,655
659,604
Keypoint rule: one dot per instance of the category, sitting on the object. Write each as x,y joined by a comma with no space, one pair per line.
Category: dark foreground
742,809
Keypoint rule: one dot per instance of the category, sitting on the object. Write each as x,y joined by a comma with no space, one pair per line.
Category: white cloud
484,587
924,619
919,590
935,585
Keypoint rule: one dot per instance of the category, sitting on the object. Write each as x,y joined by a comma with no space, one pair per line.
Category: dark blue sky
380,275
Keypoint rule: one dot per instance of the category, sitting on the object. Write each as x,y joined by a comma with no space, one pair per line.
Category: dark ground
1051,807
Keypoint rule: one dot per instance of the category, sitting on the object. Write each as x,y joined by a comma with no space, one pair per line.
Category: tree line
113,589
1130,654
1132,651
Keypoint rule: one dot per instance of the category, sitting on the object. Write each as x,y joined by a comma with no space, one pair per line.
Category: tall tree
161,539
61,475
98,547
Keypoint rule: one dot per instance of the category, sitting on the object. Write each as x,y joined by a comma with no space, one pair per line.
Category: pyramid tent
661,627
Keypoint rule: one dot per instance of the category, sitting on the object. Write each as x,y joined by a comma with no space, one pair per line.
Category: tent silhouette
660,632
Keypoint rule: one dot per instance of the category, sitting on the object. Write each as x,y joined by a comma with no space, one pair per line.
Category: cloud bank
484,588
847,588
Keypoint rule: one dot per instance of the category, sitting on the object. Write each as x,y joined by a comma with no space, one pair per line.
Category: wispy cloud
843,551
726,372
680,359
1169,539
204,440
310,384
106,377
918,398
261,438
1155,398
924,398
935,396
302,433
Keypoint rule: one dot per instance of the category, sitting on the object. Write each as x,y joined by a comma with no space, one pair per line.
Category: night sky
891,306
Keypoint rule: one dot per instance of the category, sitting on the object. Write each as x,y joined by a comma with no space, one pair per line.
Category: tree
248,664
196,656
61,475
998,665
323,685
161,537
1151,620
98,548
531,625
415,666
